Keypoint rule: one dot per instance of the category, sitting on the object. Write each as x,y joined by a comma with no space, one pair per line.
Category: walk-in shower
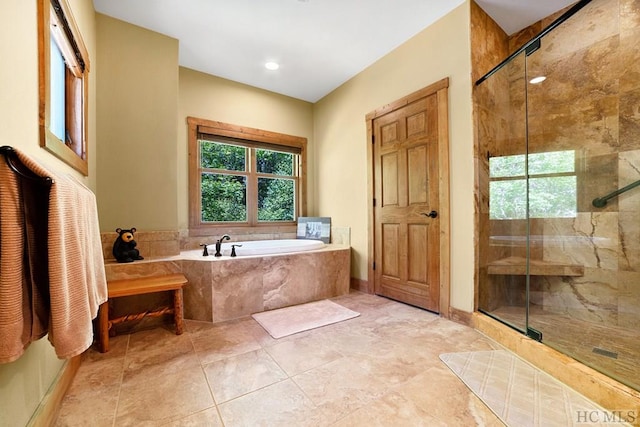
559,138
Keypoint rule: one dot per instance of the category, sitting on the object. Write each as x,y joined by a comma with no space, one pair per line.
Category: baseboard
47,411
607,392
461,316
360,285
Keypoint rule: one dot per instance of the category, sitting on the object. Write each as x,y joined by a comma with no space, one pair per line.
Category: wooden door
406,220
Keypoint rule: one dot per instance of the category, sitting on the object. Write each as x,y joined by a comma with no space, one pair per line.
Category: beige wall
23,383
213,98
144,99
138,108
137,95
441,50
335,128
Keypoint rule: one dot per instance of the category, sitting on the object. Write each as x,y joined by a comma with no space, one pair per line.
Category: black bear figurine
124,248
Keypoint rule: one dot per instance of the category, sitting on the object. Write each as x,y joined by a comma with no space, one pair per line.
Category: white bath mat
291,320
522,395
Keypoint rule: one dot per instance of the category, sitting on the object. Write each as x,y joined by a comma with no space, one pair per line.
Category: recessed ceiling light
271,65
537,80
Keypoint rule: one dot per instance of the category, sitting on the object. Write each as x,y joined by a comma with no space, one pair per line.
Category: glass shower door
559,199
501,109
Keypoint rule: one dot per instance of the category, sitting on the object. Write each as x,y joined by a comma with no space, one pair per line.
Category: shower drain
604,352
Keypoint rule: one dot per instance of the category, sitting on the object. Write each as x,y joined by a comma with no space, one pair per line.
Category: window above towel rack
63,63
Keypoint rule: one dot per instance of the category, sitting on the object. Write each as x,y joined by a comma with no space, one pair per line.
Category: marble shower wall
590,103
490,114
607,243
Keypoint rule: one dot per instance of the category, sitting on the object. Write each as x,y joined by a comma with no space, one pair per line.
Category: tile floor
379,369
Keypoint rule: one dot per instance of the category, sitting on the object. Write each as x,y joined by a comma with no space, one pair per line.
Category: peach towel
15,289
77,281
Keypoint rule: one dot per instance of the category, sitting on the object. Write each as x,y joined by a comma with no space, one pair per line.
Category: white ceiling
514,15
319,44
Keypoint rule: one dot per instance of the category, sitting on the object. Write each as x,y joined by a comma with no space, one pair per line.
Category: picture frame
314,228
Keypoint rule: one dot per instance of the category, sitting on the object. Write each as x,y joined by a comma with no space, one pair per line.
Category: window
552,191
244,177
63,73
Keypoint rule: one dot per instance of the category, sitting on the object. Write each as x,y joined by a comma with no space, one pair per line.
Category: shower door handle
431,214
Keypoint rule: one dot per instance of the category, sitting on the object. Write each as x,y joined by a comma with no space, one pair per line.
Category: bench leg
103,327
177,311
112,329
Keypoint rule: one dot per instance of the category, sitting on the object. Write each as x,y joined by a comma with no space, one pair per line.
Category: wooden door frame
441,88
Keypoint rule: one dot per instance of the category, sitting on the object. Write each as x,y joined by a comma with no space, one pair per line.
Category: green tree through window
552,191
243,178
228,174
276,201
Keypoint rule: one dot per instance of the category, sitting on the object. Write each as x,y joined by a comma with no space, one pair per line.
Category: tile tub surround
227,288
151,244
154,244
339,235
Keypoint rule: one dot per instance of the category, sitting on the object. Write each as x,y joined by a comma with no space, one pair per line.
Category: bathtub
268,247
265,275
225,288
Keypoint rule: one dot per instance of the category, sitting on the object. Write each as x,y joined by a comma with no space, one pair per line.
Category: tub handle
205,251
233,250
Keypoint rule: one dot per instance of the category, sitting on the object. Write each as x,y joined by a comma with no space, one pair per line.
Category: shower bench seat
139,286
518,266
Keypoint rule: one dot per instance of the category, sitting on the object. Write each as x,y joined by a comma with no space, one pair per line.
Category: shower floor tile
612,350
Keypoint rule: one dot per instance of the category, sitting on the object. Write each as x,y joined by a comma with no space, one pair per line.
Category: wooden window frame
252,137
56,21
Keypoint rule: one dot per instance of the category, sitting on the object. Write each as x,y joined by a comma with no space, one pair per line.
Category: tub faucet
219,244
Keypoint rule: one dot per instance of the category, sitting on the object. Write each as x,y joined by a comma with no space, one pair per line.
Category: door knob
431,214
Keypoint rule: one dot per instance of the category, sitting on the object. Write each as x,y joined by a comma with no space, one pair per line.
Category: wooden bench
144,285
